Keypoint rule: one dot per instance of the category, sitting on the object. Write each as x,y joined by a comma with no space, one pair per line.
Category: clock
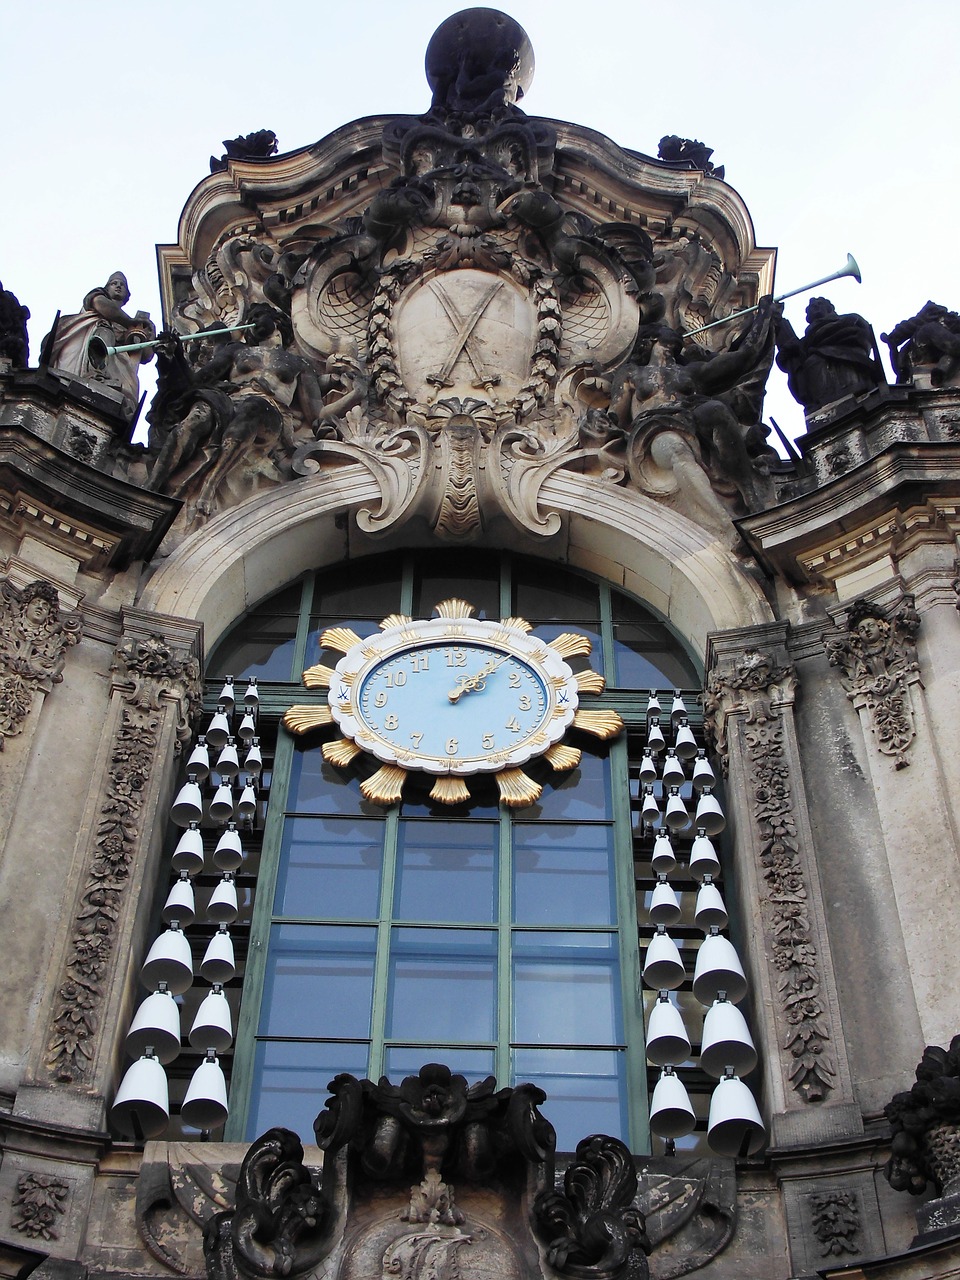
453,696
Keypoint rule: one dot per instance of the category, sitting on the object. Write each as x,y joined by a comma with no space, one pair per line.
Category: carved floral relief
756,689
39,1204
35,634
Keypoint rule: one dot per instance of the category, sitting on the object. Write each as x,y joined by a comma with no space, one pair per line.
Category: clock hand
467,684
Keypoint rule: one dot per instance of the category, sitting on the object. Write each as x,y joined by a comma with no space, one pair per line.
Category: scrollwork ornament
39,1204
35,634
147,669
756,689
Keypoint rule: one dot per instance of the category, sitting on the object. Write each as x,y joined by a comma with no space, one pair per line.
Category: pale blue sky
836,122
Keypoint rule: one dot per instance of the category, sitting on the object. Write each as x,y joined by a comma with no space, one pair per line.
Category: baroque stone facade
475,328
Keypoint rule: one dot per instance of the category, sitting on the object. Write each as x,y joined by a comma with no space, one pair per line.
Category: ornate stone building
440,425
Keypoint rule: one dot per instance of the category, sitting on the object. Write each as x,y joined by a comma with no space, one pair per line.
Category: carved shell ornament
451,697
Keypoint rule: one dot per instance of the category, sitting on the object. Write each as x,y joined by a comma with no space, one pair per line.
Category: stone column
751,688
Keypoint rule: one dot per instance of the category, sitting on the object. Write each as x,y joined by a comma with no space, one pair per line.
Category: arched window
497,941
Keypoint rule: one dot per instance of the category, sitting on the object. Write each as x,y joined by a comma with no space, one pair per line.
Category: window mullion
381,977
503,1064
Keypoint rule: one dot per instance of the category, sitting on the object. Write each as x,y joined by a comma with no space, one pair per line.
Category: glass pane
474,576
566,988
405,1060
365,589
330,868
543,592
290,1083
644,663
330,657
319,981
318,786
583,793
447,871
586,1090
261,647
563,874
550,630
442,985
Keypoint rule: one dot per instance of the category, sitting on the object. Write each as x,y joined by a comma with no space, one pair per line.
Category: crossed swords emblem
464,339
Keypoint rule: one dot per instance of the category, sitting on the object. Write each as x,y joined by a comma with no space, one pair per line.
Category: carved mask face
868,629
38,611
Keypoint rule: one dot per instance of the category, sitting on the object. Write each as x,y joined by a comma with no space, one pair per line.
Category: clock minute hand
467,684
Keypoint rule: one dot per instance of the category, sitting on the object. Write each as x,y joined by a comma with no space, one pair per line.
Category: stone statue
13,329
259,145
188,412
34,636
928,341
478,61
103,317
834,358
679,150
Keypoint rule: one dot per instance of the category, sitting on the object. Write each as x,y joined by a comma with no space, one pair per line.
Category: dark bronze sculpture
259,145
834,358
930,340
676,150
13,329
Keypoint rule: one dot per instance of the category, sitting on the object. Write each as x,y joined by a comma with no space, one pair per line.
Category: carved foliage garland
147,670
875,655
836,1222
34,636
38,1205
757,687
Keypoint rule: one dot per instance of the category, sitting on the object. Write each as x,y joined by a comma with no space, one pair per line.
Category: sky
835,120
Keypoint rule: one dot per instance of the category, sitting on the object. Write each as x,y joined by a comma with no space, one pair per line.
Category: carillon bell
247,804
663,967
663,860
667,1039
213,1026
735,1127
228,855
648,769
248,728
703,775
726,1041
253,760
221,806
653,704
156,1027
218,731
710,911
673,775
671,1115
703,857
228,762
676,818
709,814
141,1108
650,810
252,696
222,908
180,904
655,739
188,806
718,969
227,698
188,855
169,960
685,744
199,762
678,710
664,905
219,964
205,1104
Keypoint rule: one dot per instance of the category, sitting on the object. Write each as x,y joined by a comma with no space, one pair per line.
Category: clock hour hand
467,684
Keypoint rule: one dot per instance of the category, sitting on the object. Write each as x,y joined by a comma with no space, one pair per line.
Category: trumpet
99,350
849,269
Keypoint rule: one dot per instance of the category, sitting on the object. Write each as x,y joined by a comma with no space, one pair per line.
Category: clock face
461,696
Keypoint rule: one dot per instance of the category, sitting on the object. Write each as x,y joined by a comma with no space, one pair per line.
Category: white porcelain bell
664,905
710,911
676,817
709,814
663,860
180,904
205,1104
155,1027
141,1108
718,969
663,968
685,744
221,806
678,710
188,855
213,1026
248,728
169,960
671,1115
667,1039
672,775
703,775
228,855
653,704
655,739
222,908
253,760
228,762
735,1127
648,769
650,810
228,695
218,964
251,697
726,1041
188,806
218,731
703,857
199,762
247,804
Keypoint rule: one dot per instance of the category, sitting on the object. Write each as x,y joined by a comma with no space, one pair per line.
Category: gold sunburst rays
517,789
341,751
395,620
385,786
455,608
570,644
320,677
602,723
301,719
339,638
449,789
560,757
590,681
